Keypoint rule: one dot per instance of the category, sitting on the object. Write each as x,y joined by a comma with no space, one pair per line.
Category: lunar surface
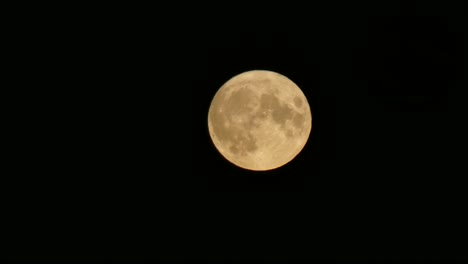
259,120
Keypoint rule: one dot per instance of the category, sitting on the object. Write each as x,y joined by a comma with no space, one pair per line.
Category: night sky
130,170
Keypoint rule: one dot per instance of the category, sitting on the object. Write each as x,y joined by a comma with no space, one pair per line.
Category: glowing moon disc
259,120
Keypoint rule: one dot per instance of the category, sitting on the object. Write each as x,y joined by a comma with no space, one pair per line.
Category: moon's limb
259,120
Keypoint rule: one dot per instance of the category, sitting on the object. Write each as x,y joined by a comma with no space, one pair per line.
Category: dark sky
133,173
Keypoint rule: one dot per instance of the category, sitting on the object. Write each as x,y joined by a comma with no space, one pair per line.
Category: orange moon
259,120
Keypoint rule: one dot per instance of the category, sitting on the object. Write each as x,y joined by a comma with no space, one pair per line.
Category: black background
117,161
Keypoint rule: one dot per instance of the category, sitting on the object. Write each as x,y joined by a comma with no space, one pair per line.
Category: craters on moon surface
230,124
298,101
259,123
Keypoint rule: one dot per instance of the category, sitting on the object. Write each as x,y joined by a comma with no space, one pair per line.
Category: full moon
259,120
